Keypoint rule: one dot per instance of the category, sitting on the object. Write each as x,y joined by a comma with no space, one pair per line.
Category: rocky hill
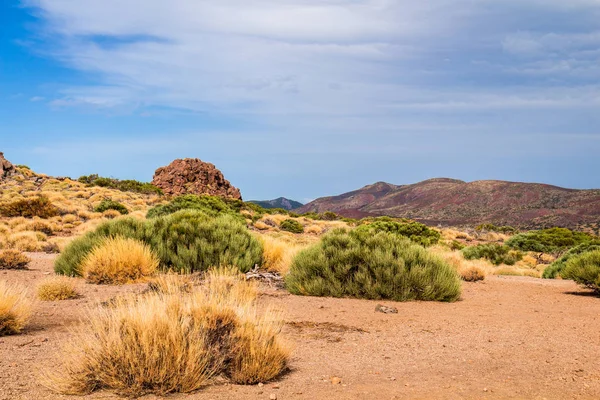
453,202
280,202
194,176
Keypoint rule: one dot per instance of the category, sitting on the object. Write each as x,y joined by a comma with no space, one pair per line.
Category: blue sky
304,98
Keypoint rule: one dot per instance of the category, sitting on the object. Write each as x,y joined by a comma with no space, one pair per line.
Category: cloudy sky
304,98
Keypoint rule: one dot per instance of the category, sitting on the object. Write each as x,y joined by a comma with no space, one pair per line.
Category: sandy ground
509,337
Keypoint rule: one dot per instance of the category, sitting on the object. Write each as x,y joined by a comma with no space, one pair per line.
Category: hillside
453,202
280,202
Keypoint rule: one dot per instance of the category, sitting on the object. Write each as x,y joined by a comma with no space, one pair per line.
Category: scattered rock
385,309
6,167
273,396
194,176
336,380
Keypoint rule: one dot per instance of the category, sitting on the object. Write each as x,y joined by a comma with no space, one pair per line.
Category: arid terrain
508,337
451,202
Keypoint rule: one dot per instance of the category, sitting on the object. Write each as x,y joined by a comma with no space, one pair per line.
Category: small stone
336,380
276,386
485,389
385,309
273,396
260,384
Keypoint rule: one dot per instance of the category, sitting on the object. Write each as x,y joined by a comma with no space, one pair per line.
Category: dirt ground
509,337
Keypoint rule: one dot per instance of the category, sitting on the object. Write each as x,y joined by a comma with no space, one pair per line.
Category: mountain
281,202
453,202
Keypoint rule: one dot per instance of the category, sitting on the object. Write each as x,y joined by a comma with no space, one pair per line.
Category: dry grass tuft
171,284
57,288
119,261
278,254
472,274
13,259
15,308
164,343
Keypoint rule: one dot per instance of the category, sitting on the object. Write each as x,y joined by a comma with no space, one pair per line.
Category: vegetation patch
108,204
186,241
508,230
39,206
199,335
493,252
372,266
291,225
119,260
124,186
415,231
15,308
584,269
472,274
551,241
13,259
57,288
554,270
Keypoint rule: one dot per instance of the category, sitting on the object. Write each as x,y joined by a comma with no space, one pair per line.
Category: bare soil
509,337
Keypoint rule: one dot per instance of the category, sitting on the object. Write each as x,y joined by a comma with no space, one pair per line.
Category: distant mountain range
281,202
451,202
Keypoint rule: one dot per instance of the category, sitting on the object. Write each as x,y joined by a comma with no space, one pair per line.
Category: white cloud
287,60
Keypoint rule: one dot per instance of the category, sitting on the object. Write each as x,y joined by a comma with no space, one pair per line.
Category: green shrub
71,259
108,204
190,241
210,205
412,230
124,186
584,269
554,270
37,207
495,253
509,230
372,266
291,225
456,245
185,241
552,240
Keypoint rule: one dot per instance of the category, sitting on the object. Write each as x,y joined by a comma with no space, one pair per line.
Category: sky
304,98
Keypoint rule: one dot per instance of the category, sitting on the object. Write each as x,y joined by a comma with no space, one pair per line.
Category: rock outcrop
6,168
194,176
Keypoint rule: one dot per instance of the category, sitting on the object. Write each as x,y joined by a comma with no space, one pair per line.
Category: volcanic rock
194,176
6,168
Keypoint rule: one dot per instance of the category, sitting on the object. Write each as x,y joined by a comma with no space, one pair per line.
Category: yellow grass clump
278,254
161,343
57,288
472,274
119,261
15,308
13,259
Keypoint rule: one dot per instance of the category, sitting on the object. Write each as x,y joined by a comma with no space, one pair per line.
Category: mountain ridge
448,201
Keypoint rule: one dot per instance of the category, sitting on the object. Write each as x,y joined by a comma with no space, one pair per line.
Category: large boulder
194,176
6,168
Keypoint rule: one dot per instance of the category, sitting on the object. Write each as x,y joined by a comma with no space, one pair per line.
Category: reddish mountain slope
453,202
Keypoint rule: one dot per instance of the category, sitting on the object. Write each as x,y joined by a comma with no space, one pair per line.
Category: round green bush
71,258
554,270
372,266
186,241
493,252
584,269
291,225
415,231
551,240
190,241
108,204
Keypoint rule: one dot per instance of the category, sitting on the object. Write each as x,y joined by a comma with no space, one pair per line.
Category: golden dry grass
15,308
57,288
173,342
278,254
13,259
119,261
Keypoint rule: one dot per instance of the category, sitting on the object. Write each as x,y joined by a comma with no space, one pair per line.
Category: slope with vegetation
456,203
